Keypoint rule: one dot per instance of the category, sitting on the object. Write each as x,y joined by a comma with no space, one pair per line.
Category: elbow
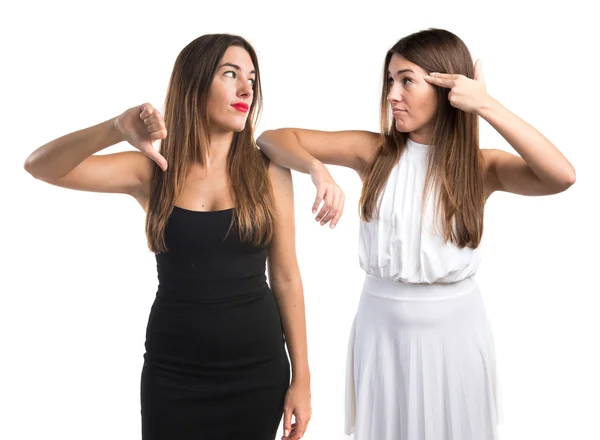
572,176
29,166
564,182
261,141
33,168
569,179
287,285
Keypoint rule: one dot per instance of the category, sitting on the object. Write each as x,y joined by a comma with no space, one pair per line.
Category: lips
240,106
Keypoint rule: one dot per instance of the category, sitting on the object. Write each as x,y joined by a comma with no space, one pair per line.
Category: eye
233,74
390,81
407,81
252,81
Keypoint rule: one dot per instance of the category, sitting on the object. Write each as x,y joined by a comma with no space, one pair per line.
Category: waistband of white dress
390,289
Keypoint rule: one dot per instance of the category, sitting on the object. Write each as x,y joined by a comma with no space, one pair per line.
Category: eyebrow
235,66
399,72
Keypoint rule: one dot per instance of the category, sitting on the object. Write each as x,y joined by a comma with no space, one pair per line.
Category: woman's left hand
297,402
469,95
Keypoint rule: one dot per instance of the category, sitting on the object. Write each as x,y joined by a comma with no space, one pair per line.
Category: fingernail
286,433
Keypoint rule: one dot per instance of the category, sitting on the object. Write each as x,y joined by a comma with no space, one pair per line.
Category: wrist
115,131
315,166
488,108
301,376
300,381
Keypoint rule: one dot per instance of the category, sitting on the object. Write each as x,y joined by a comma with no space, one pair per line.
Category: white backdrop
78,281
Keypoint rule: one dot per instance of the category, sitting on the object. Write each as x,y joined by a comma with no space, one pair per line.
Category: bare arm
307,151
284,276
70,160
301,149
541,168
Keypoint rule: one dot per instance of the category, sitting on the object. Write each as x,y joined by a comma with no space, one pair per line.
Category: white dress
421,362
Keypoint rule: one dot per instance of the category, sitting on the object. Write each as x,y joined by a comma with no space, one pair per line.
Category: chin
235,127
238,125
402,128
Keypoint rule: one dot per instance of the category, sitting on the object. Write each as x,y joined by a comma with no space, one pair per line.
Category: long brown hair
186,120
454,168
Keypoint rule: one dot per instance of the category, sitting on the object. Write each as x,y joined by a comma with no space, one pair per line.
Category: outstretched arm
70,160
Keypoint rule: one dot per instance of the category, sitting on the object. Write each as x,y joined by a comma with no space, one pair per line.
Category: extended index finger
442,80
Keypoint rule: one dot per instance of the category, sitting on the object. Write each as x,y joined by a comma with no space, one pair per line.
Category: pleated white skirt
421,364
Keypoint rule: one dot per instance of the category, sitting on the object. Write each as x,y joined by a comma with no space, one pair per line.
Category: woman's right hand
141,126
329,192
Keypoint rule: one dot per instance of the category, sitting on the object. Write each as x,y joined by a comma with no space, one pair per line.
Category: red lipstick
240,106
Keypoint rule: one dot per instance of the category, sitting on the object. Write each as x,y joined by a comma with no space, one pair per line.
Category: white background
78,281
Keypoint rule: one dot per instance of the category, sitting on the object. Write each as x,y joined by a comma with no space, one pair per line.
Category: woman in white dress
421,360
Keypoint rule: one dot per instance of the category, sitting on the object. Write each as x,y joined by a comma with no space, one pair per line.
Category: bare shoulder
281,178
489,155
370,142
488,161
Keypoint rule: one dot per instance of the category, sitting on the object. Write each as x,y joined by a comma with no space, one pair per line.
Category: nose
394,94
245,89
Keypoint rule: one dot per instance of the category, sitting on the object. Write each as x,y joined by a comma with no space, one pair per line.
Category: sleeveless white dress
421,362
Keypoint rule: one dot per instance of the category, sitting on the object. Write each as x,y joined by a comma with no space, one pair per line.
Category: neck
423,134
420,138
218,149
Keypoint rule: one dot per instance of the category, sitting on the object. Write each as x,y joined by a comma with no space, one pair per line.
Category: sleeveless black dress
215,365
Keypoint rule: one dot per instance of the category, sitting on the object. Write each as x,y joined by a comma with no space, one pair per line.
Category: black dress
215,365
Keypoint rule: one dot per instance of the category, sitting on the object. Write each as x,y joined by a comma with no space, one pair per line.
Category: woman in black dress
215,365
